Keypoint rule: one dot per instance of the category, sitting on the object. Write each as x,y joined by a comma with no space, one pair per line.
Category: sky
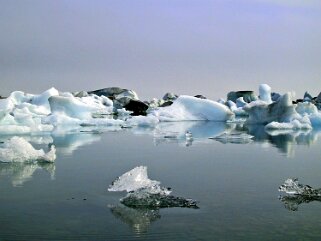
207,47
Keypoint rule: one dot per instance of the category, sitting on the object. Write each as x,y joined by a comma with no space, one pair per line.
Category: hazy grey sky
153,46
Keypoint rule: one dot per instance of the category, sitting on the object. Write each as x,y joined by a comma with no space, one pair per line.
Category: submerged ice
146,193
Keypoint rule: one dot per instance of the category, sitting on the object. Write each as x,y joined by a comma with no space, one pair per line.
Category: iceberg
81,108
237,110
23,113
187,108
260,112
19,115
146,193
17,149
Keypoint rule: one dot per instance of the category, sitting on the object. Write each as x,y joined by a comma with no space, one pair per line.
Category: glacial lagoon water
235,182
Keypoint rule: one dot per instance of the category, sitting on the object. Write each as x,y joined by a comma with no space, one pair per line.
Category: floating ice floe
292,186
298,194
187,108
295,124
143,192
233,138
17,149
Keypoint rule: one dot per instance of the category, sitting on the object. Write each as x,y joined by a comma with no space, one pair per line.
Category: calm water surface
236,185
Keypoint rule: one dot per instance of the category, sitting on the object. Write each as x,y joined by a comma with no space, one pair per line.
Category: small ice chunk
292,186
241,138
133,180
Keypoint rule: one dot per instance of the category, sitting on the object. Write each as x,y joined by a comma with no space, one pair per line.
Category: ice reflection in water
292,202
175,132
139,219
20,173
68,143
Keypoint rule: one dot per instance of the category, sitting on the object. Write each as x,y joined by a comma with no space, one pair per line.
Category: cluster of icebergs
22,113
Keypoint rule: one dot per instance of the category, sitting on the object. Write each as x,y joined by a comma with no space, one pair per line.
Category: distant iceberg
188,108
241,138
23,113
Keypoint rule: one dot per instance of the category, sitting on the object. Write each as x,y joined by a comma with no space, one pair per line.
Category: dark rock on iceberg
81,94
275,96
157,200
137,107
114,92
248,96
318,99
170,96
167,103
307,96
200,96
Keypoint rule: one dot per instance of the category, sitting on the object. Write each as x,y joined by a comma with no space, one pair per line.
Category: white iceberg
22,113
280,111
80,108
265,93
135,179
17,149
186,108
